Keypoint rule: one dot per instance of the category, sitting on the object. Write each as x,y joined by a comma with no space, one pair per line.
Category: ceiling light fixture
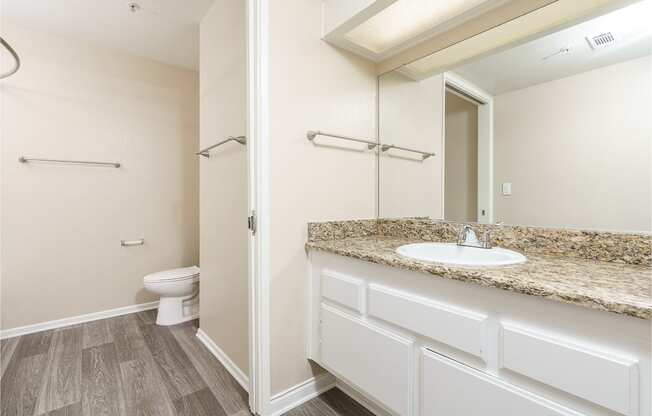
407,19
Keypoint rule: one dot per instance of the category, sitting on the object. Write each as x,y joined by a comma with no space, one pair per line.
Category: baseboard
44,326
295,396
230,366
301,393
364,401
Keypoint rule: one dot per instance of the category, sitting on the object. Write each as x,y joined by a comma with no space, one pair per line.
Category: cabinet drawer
459,328
450,388
581,370
346,290
376,361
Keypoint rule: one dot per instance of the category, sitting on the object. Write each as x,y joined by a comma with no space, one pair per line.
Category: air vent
602,40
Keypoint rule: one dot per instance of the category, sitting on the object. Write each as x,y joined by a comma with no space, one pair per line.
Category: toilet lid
174,274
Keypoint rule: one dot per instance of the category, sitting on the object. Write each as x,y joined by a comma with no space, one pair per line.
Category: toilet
179,290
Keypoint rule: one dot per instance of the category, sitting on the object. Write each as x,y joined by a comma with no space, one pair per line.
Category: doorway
461,159
467,152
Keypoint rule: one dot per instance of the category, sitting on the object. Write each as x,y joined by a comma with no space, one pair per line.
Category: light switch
507,189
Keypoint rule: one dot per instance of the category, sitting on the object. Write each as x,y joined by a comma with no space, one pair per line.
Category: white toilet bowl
178,289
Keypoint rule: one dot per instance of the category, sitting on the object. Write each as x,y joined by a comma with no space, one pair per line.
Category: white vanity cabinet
419,345
360,358
451,388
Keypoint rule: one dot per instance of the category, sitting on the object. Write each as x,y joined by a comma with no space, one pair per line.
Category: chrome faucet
467,238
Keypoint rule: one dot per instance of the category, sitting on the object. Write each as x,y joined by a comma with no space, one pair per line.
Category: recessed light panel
407,19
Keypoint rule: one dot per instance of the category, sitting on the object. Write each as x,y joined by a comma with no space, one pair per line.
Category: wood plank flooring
331,403
129,366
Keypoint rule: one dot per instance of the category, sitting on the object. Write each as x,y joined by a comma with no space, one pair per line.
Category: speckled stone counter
609,286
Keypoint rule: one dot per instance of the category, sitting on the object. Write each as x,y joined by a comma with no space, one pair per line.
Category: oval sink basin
451,253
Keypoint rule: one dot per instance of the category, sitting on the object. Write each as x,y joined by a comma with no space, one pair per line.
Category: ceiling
565,53
162,30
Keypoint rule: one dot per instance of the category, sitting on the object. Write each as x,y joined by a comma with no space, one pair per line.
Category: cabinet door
580,369
450,388
375,360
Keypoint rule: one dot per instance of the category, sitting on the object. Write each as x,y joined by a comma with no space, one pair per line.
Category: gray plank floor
129,366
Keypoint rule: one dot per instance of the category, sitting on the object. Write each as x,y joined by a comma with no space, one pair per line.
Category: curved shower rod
16,59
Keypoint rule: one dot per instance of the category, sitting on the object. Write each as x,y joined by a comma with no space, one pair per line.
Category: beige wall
62,225
223,180
577,150
411,115
461,165
312,86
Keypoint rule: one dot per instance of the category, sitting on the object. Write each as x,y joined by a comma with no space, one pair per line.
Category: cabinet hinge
251,222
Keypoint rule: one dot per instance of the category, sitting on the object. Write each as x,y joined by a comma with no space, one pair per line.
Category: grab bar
424,155
23,159
129,243
312,134
240,139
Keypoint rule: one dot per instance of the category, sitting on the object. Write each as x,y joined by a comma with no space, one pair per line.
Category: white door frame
258,162
485,103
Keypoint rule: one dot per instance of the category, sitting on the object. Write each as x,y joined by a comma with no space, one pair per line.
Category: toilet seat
173,275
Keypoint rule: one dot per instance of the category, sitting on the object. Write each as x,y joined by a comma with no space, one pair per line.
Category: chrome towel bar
240,139
23,159
312,134
424,155
129,243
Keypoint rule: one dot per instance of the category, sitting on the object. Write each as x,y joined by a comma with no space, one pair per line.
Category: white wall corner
258,149
297,395
230,366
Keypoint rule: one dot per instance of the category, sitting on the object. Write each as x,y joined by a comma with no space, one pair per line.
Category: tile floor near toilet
128,365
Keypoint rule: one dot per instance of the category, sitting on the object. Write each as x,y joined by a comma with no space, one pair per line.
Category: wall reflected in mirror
553,132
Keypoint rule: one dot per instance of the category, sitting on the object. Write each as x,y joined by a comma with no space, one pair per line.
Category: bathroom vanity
556,335
550,135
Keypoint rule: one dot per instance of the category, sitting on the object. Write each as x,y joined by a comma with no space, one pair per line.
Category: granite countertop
620,288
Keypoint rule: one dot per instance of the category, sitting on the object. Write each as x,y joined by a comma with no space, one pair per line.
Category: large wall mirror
552,132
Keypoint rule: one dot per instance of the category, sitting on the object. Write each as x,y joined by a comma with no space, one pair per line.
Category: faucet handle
486,237
467,237
461,235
